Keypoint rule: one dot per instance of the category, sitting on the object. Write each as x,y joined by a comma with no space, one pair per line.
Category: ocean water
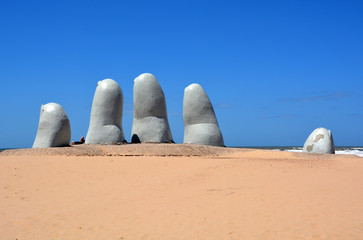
338,150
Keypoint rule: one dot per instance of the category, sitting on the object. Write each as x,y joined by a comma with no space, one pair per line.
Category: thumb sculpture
200,122
150,122
320,141
105,125
54,129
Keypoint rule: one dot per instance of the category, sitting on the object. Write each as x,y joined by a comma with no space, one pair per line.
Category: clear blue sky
274,70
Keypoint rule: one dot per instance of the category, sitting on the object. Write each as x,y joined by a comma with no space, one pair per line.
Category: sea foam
338,150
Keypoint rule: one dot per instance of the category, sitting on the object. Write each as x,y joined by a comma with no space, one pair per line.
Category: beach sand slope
178,191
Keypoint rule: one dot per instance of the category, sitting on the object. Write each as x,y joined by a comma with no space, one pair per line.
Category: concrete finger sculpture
150,122
320,141
54,129
200,122
105,125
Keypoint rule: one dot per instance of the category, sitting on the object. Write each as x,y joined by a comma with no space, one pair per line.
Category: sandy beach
176,191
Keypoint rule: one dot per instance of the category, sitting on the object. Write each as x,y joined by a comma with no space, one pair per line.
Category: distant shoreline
140,149
253,147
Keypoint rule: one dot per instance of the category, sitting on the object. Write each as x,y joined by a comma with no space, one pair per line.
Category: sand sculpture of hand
106,115
320,141
54,129
200,122
150,123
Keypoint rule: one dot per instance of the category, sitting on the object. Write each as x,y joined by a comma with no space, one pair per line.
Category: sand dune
162,191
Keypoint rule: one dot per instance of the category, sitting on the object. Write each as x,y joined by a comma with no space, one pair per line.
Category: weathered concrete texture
105,125
150,122
200,122
320,141
54,129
